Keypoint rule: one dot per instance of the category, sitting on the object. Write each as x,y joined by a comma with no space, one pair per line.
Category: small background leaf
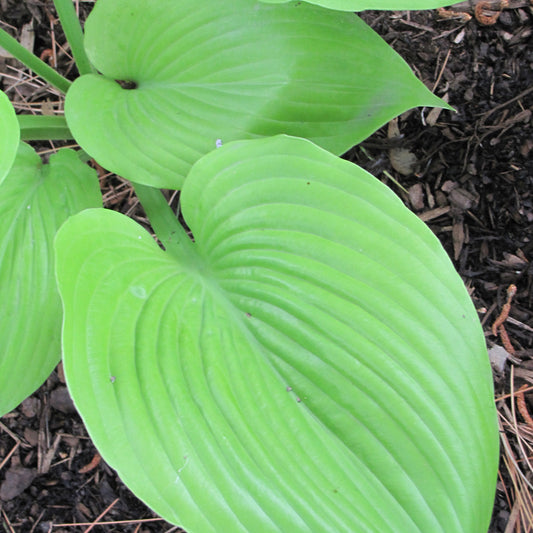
208,71
315,364
361,5
35,199
9,135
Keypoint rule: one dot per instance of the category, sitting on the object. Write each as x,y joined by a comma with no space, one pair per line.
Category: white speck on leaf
138,291
218,143
186,457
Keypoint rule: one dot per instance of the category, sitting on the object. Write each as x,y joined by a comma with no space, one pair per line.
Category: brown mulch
468,174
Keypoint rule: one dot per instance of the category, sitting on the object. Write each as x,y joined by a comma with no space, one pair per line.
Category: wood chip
434,114
434,213
416,196
60,399
458,237
403,161
16,481
462,199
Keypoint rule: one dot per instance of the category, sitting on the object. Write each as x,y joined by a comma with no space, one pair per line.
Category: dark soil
468,174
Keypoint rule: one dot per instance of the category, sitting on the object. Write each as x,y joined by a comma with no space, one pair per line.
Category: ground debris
17,480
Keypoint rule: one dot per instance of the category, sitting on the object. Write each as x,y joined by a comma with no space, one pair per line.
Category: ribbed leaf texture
206,72
361,5
311,363
9,135
35,199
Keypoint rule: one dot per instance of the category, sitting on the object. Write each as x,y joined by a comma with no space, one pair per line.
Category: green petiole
72,28
43,128
164,222
33,62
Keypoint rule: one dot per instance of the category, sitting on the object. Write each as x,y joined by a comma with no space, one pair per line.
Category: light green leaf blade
35,199
313,364
9,135
208,72
361,5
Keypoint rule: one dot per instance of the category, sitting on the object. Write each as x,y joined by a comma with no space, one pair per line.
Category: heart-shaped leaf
206,71
35,199
311,363
9,135
361,5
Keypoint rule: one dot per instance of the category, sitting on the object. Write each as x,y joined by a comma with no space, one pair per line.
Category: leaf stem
44,128
84,156
38,66
72,28
164,222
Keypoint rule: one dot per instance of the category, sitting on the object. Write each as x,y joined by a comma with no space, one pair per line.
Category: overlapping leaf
35,199
206,72
311,363
9,135
361,5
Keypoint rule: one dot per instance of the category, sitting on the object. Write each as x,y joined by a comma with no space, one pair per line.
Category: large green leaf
208,71
9,135
311,363
35,199
361,5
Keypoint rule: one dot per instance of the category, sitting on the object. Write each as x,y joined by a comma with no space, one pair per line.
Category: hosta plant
303,357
